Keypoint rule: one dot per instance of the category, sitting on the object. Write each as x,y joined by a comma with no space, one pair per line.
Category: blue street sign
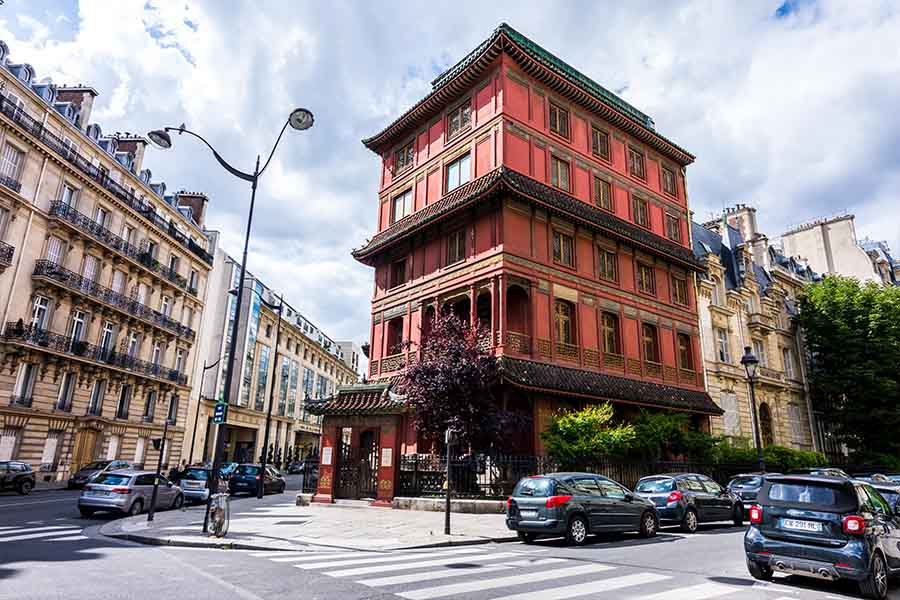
220,413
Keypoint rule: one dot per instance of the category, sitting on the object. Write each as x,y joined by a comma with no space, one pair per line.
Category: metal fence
484,476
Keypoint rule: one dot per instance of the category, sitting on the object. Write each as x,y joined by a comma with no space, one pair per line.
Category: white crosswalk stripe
449,573
703,591
70,538
317,556
414,564
591,587
386,559
48,533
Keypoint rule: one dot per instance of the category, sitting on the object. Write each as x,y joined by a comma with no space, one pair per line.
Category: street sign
220,413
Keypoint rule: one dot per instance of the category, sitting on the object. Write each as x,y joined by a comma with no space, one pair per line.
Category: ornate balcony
567,351
43,339
85,224
518,342
614,361
757,321
771,373
394,362
83,164
73,281
6,255
8,182
653,369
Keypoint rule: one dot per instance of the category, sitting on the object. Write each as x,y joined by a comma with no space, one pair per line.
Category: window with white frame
140,449
732,417
11,162
128,233
795,424
54,250
39,311
458,172
89,268
723,351
787,357
9,438
759,349
69,195
134,344
165,306
76,330
156,356
66,392
25,383
179,360
188,316
112,448
51,449
107,337
98,393
401,206
101,216
118,282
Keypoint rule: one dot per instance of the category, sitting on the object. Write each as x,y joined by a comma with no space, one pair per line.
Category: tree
579,437
853,337
450,386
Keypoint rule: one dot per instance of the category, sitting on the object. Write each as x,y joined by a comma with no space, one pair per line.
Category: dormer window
403,158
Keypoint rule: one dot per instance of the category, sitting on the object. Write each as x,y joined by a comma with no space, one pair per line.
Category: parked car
307,465
128,492
873,477
245,479
574,505
194,484
226,470
890,491
826,471
824,527
18,476
746,487
91,470
688,499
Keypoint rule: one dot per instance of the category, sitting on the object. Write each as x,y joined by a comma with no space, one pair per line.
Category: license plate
97,493
528,514
798,525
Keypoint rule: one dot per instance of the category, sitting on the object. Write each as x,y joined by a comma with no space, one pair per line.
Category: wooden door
85,446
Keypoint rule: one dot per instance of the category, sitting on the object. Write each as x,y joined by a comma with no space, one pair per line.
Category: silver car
128,492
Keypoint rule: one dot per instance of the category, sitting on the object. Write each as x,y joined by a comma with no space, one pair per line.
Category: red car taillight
509,503
854,525
674,497
756,514
554,501
257,477
120,490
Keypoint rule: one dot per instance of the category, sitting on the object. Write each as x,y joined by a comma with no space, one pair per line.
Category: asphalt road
48,551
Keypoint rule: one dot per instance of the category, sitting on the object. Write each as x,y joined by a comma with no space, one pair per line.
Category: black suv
16,476
688,499
824,527
574,505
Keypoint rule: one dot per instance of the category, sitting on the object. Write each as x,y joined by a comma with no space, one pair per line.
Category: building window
188,316
165,306
401,206
716,294
723,350
11,162
173,263
646,279
685,353
66,392
89,268
459,118
76,331
149,406
397,273
192,280
9,439
262,377
673,228
98,393
268,330
124,402
69,196
759,349
679,291
795,423
134,344
128,232
559,173
25,384
636,163
563,249
403,158
609,265
107,339
101,216
732,416
640,211
179,360
599,142
39,310
458,172
394,336
156,356
564,321
559,120
112,447
54,250
611,341
140,447
668,182
650,338
765,425
787,357
173,410
118,282
456,246
51,449
603,194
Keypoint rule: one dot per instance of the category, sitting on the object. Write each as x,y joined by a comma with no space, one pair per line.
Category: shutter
48,457
8,443
54,250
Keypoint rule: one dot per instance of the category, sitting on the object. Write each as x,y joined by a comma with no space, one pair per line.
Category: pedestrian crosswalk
510,572
48,533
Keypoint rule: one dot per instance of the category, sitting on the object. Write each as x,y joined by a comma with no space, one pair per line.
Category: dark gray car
688,499
574,505
89,471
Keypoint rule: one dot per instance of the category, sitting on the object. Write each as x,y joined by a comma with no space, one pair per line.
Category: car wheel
281,489
25,487
136,508
875,585
577,530
759,570
86,512
178,502
527,538
689,522
649,525
738,515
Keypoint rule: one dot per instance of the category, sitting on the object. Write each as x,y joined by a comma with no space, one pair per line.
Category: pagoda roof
545,67
567,381
504,180
360,399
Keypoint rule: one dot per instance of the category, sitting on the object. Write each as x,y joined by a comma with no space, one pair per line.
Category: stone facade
102,280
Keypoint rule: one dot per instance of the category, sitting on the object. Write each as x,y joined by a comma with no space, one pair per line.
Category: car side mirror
629,497
168,484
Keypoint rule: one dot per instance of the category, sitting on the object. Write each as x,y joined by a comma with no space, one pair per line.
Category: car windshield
538,487
892,495
655,486
112,479
247,470
749,481
196,474
812,494
95,466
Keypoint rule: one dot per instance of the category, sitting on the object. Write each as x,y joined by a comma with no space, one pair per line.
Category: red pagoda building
529,199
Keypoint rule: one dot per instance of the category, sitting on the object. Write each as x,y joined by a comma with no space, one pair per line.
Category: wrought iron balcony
6,254
85,224
11,183
74,281
83,164
41,338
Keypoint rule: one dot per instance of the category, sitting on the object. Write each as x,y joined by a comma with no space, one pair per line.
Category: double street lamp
751,363
300,119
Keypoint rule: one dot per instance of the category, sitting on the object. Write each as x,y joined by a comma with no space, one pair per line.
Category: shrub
580,437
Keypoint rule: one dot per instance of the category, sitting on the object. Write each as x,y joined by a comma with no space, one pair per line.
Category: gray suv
574,505
128,492
688,499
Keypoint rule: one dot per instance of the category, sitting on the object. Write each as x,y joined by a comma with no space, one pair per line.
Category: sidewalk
275,523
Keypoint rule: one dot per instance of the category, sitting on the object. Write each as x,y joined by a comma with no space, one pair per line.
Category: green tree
580,437
853,336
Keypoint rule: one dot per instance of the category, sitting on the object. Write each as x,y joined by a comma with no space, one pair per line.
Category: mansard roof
550,70
503,180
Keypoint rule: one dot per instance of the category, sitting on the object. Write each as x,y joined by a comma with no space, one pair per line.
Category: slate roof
707,241
525,188
362,399
546,68
602,386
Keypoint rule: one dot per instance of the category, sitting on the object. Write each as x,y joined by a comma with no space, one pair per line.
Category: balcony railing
653,369
41,338
771,373
83,164
613,361
100,233
518,342
567,351
394,362
10,182
23,401
6,254
74,281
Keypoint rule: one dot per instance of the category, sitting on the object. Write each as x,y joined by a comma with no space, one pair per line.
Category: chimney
135,144
743,218
80,95
195,202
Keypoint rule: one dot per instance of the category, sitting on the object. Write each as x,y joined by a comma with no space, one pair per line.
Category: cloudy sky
788,106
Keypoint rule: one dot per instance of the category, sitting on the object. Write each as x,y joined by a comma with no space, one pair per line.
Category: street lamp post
750,363
299,119
199,402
